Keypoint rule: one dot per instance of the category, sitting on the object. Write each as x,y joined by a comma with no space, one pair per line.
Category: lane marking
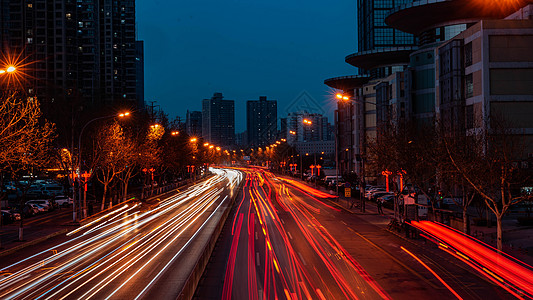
256,235
257,259
302,259
282,221
344,223
396,260
289,234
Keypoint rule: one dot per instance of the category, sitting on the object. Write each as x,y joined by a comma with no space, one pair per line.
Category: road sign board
347,192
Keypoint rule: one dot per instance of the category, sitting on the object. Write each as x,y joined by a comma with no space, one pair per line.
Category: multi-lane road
282,240
134,251
285,240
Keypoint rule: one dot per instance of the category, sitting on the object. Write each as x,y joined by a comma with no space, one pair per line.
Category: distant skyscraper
194,123
261,121
282,128
299,131
218,120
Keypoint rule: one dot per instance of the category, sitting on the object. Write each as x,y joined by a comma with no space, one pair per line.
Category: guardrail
189,288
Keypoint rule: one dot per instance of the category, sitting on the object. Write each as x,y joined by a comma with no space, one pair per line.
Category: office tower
218,120
261,121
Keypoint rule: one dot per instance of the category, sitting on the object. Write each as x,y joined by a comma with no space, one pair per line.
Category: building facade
193,123
81,51
261,121
401,83
218,120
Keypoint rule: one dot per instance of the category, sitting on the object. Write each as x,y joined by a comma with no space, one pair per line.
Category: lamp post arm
81,134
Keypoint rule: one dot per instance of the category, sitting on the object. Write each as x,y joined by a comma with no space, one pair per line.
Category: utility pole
152,112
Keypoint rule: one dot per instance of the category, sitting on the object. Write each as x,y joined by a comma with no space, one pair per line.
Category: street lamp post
121,115
346,98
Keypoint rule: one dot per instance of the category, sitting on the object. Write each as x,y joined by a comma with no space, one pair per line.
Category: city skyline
207,43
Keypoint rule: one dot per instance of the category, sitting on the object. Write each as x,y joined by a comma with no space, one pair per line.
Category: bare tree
490,165
25,142
412,150
109,153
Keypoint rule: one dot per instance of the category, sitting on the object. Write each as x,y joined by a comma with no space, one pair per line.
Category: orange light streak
433,272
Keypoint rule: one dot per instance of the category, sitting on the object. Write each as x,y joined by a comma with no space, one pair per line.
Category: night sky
244,49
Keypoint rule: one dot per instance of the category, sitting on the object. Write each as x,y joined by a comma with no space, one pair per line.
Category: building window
469,85
468,54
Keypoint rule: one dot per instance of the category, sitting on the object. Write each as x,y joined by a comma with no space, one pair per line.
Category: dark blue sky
244,49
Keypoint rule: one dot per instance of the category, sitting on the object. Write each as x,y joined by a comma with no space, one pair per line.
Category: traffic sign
347,192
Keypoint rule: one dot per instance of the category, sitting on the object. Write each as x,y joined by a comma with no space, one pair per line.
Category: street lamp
121,115
350,99
175,133
9,69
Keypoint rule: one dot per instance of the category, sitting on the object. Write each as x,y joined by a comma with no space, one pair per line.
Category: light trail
505,271
98,258
432,272
285,273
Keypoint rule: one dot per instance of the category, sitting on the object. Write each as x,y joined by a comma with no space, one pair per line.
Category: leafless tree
25,141
491,166
109,154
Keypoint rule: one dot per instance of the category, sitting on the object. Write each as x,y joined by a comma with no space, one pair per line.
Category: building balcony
347,83
376,58
419,16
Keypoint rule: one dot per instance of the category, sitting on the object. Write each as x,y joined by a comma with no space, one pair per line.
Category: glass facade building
373,33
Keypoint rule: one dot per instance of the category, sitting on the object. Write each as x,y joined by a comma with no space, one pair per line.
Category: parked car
376,195
52,190
30,210
387,198
63,200
370,193
46,204
15,214
7,217
36,208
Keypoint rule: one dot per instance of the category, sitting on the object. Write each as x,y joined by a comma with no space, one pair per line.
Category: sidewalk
517,240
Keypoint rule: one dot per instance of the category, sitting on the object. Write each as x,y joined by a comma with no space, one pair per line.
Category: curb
31,243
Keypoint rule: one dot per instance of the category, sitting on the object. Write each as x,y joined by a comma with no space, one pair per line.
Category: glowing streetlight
121,115
307,122
9,69
175,133
193,140
206,144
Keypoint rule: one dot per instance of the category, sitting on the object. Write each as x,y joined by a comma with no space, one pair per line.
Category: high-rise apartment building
139,76
193,122
76,51
261,121
307,127
218,120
